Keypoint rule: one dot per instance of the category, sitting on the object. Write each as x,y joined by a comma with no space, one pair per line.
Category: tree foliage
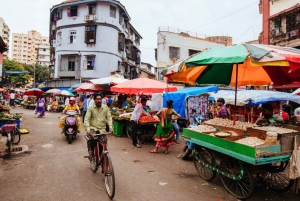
41,72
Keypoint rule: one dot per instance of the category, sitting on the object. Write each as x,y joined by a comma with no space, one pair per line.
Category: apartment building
92,39
174,45
4,33
30,48
281,22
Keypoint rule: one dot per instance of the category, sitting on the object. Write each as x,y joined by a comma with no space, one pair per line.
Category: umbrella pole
235,97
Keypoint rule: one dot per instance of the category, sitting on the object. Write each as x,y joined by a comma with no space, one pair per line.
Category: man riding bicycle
96,118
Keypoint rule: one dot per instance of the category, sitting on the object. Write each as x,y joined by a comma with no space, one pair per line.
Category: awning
14,72
288,86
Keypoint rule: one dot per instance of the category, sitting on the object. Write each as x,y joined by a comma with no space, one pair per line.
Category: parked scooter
70,125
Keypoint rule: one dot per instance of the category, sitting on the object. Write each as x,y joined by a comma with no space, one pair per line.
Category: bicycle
12,133
100,157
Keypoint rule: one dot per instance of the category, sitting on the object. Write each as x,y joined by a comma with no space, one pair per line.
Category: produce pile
228,123
4,116
5,107
127,117
275,129
251,141
203,129
147,119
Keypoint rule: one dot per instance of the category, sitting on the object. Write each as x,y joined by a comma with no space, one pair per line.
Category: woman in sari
165,133
40,107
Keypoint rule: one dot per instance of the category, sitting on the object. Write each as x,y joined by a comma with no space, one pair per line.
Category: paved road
54,170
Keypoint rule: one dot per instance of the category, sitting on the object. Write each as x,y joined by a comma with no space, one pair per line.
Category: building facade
92,39
30,48
281,22
4,33
174,45
147,70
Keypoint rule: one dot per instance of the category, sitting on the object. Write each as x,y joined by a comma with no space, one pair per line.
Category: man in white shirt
104,101
67,101
136,114
297,111
91,101
12,98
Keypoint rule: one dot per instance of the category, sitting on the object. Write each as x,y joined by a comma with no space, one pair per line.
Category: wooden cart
239,164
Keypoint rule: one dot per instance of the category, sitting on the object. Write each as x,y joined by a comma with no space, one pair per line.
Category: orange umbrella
143,86
189,76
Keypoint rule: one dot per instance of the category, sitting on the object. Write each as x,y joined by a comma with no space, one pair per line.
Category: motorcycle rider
70,106
96,118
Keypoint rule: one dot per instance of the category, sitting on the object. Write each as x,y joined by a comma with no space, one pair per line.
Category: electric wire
172,14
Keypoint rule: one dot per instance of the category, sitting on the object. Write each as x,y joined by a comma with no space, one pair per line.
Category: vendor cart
145,130
240,165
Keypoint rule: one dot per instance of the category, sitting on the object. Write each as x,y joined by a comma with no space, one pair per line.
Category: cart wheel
202,154
242,188
186,152
128,130
141,136
275,179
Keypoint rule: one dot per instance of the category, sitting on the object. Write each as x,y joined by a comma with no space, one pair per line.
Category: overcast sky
237,18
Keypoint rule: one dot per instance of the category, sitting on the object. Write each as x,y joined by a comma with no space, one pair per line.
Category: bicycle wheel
109,177
202,154
16,138
274,177
9,147
128,130
241,188
93,161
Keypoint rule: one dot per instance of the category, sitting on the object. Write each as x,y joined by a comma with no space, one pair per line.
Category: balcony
66,73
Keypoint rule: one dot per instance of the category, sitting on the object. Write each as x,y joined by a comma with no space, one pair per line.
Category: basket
118,129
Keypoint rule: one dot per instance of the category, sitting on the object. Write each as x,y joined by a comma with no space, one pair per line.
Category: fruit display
228,123
5,107
203,129
147,119
127,116
5,116
275,129
251,141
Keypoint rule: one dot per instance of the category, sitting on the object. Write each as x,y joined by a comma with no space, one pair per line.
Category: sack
292,170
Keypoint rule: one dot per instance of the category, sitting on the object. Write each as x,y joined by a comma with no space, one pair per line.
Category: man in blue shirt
85,107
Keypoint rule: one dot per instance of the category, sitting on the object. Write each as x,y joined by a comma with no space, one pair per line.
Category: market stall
243,150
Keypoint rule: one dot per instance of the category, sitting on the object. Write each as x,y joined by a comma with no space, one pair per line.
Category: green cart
238,165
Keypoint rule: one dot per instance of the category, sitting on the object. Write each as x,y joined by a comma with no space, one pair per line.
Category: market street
54,170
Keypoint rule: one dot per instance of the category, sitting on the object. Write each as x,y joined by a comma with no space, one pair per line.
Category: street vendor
268,117
136,114
70,106
222,112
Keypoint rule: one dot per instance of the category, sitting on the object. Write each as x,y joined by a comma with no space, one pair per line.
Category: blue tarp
255,97
66,89
179,97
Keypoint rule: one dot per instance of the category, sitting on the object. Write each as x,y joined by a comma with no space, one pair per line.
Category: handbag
292,170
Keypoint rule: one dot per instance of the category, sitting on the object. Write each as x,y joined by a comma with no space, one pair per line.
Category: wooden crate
252,132
224,128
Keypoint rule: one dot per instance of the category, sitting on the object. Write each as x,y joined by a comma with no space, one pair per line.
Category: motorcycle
70,125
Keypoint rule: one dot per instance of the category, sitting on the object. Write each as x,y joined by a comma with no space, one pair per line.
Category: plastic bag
292,170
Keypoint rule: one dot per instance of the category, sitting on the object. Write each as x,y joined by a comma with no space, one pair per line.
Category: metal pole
236,81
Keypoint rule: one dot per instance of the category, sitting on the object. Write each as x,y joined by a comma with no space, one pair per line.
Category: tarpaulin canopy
172,68
88,87
179,97
143,86
189,76
254,97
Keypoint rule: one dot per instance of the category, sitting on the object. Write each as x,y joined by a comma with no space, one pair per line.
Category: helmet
72,99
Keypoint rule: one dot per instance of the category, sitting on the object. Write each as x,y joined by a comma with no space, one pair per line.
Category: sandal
153,151
166,152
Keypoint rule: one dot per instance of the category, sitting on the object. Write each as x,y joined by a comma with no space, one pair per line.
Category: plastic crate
118,129
18,122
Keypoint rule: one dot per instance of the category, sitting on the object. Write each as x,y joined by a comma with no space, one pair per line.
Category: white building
174,44
92,39
4,33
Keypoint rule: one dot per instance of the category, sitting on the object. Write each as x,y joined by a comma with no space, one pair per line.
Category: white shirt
67,101
92,102
104,101
297,111
137,112
12,96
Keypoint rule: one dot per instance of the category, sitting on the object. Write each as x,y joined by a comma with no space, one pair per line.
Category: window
90,62
15,41
92,9
155,50
58,39
90,34
24,50
72,12
174,52
112,12
121,18
25,42
44,40
137,39
192,52
72,37
71,64
15,46
121,42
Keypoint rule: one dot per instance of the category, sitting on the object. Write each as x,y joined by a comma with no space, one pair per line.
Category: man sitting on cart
268,117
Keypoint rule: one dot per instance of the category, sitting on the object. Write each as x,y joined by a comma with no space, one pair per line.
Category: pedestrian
136,114
164,136
96,118
40,107
77,99
104,102
222,112
91,101
67,101
85,107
